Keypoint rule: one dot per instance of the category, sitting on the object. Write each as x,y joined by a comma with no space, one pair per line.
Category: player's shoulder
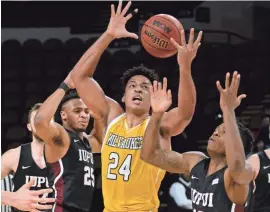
194,158
13,152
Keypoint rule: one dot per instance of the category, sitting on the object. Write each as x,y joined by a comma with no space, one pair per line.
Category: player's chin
81,128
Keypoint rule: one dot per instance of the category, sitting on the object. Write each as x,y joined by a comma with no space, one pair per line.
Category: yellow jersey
128,183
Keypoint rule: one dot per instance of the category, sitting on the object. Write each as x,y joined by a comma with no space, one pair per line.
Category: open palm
160,98
117,25
228,95
187,51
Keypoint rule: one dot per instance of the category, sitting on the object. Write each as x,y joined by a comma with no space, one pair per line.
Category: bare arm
240,171
96,101
53,134
46,127
9,161
176,120
168,160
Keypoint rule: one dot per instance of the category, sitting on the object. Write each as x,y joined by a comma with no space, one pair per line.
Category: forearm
235,154
152,136
88,62
49,107
151,151
7,198
186,93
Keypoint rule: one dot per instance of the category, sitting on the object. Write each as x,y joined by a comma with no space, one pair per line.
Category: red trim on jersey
59,186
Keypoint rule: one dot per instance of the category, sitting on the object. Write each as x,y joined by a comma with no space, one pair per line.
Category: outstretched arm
151,151
238,170
88,89
176,120
51,132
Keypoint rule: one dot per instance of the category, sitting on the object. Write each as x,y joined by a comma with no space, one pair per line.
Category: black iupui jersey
28,169
208,193
262,183
72,177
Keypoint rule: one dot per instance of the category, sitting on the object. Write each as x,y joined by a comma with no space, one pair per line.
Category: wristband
64,86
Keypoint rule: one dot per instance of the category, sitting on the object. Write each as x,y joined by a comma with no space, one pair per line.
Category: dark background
32,70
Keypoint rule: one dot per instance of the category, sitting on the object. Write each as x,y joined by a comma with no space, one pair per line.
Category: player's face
31,126
76,115
216,141
137,95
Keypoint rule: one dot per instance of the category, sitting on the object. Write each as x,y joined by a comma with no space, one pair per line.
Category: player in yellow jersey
128,183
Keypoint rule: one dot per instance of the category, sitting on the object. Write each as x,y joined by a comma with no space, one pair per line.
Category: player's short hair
247,138
71,94
139,70
34,108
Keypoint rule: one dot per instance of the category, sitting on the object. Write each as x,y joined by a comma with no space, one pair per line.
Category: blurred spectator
263,139
180,192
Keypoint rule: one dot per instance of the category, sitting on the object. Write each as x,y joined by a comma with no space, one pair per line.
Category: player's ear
63,115
29,127
123,99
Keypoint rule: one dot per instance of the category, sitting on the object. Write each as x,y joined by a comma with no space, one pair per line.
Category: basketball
156,33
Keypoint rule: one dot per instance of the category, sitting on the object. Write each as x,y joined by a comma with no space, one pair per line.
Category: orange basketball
156,33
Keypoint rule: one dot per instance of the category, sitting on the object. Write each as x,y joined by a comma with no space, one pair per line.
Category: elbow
144,156
77,76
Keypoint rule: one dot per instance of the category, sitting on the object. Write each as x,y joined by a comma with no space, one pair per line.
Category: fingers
191,38
40,207
169,94
220,89
159,86
155,87
198,40
123,13
42,191
165,83
237,83
234,83
151,89
112,10
34,210
132,35
176,45
129,16
29,184
242,96
183,38
119,8
227,81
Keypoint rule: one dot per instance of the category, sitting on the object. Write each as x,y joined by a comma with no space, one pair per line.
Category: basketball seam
156,47
157,31
172,24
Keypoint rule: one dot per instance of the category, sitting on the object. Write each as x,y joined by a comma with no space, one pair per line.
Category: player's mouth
137,99
211,140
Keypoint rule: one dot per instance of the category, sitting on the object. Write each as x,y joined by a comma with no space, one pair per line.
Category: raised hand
187,52
228,95
117,25
27,200
160,98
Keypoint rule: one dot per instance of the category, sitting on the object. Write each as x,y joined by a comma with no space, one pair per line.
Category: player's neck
216,163
134,120
37,147
80,134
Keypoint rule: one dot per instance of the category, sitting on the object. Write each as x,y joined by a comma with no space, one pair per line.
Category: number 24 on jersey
124,169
